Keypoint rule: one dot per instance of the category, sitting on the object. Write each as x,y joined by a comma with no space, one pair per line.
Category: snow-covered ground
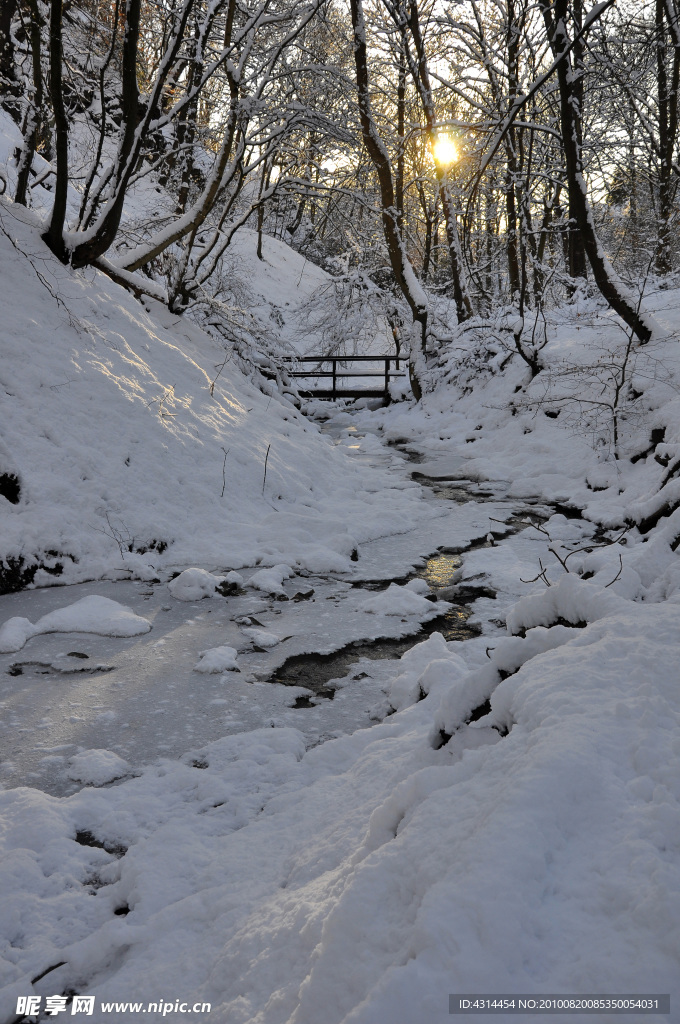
493,815
134,447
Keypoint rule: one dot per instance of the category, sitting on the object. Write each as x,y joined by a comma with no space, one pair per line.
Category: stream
142,698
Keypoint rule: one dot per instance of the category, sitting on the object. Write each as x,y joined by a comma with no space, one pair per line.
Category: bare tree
556,19
402,269
406,17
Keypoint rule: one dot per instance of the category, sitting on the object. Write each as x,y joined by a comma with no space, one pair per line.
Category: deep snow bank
536,850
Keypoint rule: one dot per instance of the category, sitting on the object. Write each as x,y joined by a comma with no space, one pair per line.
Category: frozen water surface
142,697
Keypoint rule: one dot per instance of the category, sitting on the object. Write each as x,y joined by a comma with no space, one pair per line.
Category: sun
445,151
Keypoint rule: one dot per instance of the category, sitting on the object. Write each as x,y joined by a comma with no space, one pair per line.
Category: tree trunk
401,266
489,234
264,184
54,236
34,115
512,45
108,226
667,98
87,210
511,231
401,119
421,79
134,131
550,206
578,267
186,129
9,87
611,287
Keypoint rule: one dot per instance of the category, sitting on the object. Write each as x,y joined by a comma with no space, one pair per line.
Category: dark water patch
448,492
315,672
227,589
61,666
568,511
539,511
376,586
454,488
303,702
466,593
409,454
438,572
453,625
461,490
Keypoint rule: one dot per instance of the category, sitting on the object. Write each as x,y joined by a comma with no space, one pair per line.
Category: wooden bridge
339,373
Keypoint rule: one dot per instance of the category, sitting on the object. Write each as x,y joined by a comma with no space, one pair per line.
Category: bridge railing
338,374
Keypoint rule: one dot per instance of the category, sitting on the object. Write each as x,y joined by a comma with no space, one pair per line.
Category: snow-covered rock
194,584
217,659
262,637
397,600
271,580
97,767
92,614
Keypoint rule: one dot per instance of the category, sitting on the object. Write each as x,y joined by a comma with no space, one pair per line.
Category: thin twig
169,393
541,576
219,371
618,573
224,480
266,459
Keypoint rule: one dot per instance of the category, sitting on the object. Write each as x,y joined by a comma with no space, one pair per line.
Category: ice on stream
146,669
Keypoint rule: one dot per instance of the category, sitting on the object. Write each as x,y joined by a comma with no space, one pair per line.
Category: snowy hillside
130,442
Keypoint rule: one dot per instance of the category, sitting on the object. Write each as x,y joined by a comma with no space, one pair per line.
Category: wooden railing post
334,373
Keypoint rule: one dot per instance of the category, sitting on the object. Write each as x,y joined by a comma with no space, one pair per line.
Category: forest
454,162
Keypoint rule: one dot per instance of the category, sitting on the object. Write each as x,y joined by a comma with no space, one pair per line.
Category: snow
262,637
217,659
398,600
271,580
412,682
495,814
89,615
193,584
15,632
367,878
124,429
97,767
